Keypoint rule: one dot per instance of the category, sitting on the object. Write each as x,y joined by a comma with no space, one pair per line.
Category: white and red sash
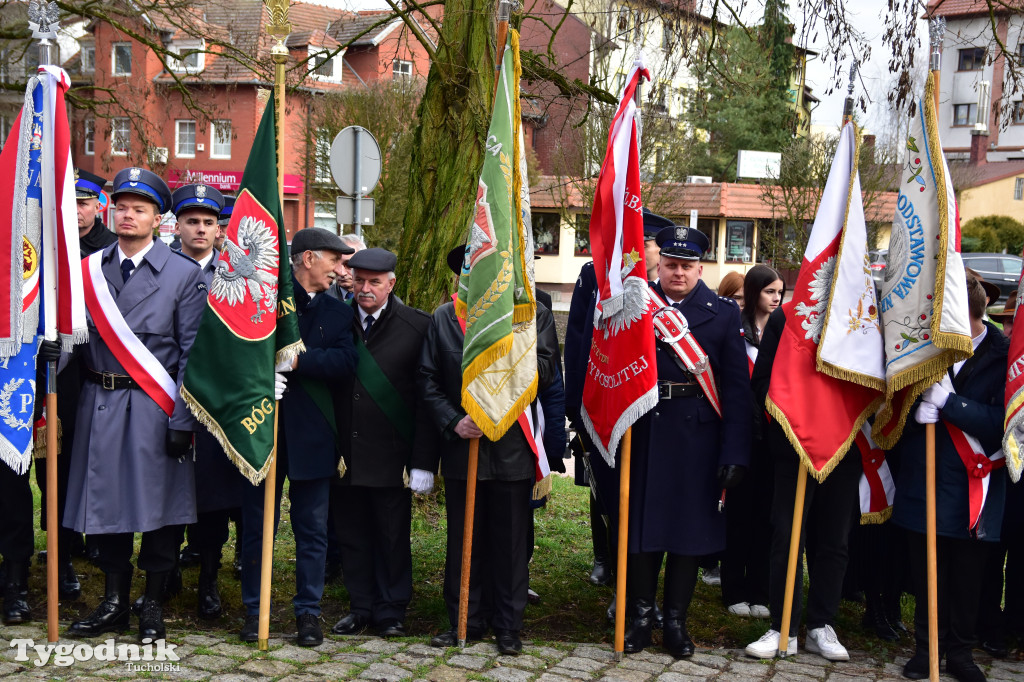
137,360
671,328
751,356
877,489
979,466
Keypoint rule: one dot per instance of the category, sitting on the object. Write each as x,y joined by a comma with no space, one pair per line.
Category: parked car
877,262
1001,269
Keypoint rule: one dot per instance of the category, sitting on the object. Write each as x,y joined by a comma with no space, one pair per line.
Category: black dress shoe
964,669
508,642
310,634
16,609
677,640
995,647
602,573
189,556
352,624
392,628
917,667
151,620
450,638
532,597
112,613
250,631
68,586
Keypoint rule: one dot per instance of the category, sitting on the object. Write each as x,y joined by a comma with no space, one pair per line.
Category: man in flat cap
308,437
93,235
675,492
131,465
342,289
387,440
223,220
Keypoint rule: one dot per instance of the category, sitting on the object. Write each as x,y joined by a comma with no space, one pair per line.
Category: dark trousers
498,574
309,503
373,526
16,536
210,531
748,537
157,553
680,581
1004,615
960,565
830,510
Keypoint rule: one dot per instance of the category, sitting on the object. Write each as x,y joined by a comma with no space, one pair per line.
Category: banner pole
623,543
794,556
933,585
52,504
467,539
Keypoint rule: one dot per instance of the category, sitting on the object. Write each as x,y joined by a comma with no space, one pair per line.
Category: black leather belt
113,382
668,390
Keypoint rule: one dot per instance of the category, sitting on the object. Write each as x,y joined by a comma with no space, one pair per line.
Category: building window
324,216
739,241
401,68
964,114
972,59
322,65
192,57
120,136
709,226
667,35
1018,189
220,140
582,246
89,137
185,139
121,59
547,228
321,160
88,58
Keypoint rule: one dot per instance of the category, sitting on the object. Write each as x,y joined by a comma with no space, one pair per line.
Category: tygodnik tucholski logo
150,656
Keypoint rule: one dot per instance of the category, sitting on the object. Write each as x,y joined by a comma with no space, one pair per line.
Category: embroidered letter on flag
496,288
621,383
830,353
923,298
249,323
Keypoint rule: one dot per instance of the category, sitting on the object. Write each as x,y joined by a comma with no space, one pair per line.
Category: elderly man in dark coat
129,469
507,469
308,438
389,440
684,454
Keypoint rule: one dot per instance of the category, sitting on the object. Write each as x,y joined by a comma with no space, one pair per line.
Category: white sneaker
711,576
741,609
760,611
823,641
768,646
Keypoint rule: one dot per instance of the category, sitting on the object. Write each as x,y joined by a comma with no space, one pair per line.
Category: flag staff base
52,566
623,545
467,539
267,561
794,556
932,553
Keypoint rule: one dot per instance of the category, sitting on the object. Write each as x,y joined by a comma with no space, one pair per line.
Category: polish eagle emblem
248,270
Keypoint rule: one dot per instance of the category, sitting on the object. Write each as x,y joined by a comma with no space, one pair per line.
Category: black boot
209,595
602,573
638,634
874,620
675,637
112,613
16,609
680,581
151,617
68,586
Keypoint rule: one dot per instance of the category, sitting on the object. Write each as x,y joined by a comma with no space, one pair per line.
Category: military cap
456,257
225,212
654,223
143,183
375,260
318,239
197,196
88,185
684,243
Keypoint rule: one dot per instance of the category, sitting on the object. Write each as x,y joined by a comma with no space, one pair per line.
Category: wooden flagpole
279,28
504,10
623,542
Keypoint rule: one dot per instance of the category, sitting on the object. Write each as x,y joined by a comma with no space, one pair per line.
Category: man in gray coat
129,469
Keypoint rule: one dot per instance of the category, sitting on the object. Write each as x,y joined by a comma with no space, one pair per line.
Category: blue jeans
309,507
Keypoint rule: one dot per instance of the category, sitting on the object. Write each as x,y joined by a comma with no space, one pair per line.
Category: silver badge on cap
681,233
134,174
201,191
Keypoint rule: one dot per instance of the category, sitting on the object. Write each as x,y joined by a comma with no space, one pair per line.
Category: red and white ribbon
534,433
137,360
979,467
877,489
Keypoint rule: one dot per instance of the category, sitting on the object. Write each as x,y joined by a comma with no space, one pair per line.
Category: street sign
347,211
355,161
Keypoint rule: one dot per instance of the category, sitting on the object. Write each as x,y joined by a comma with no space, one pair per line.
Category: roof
966,8
983,174
719,199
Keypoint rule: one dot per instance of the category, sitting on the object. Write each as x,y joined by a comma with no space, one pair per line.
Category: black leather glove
730,475
179,443
49,351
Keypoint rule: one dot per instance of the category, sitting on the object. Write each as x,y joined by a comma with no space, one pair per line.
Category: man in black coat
506,475
308,436
388,439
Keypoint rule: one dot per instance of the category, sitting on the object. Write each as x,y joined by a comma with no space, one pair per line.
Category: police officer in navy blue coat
308,439
684,454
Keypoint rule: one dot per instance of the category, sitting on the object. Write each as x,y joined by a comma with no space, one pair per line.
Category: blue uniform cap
225,212
684,243
197,196
143,183
88,185
654,223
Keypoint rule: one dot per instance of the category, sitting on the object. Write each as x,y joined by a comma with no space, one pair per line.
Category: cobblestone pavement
220,658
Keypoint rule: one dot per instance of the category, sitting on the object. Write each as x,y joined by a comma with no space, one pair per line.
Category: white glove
926,413
421,482
284,366
280,382
938,393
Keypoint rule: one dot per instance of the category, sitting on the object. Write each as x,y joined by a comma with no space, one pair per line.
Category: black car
1001,269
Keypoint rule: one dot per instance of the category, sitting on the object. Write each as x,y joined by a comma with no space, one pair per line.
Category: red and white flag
1014,397
830,354
621,382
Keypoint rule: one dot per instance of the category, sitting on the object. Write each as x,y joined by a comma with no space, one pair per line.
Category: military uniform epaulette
729,300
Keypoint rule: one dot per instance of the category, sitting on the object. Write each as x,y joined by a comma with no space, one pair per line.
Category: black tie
126,268
366,329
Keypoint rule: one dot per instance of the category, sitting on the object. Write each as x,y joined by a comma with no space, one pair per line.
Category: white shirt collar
203,262
363,314
975,342
137,258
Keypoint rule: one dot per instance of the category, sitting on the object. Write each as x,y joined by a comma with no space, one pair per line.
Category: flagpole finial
278,28
936,31
848,106
42,19
504,10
